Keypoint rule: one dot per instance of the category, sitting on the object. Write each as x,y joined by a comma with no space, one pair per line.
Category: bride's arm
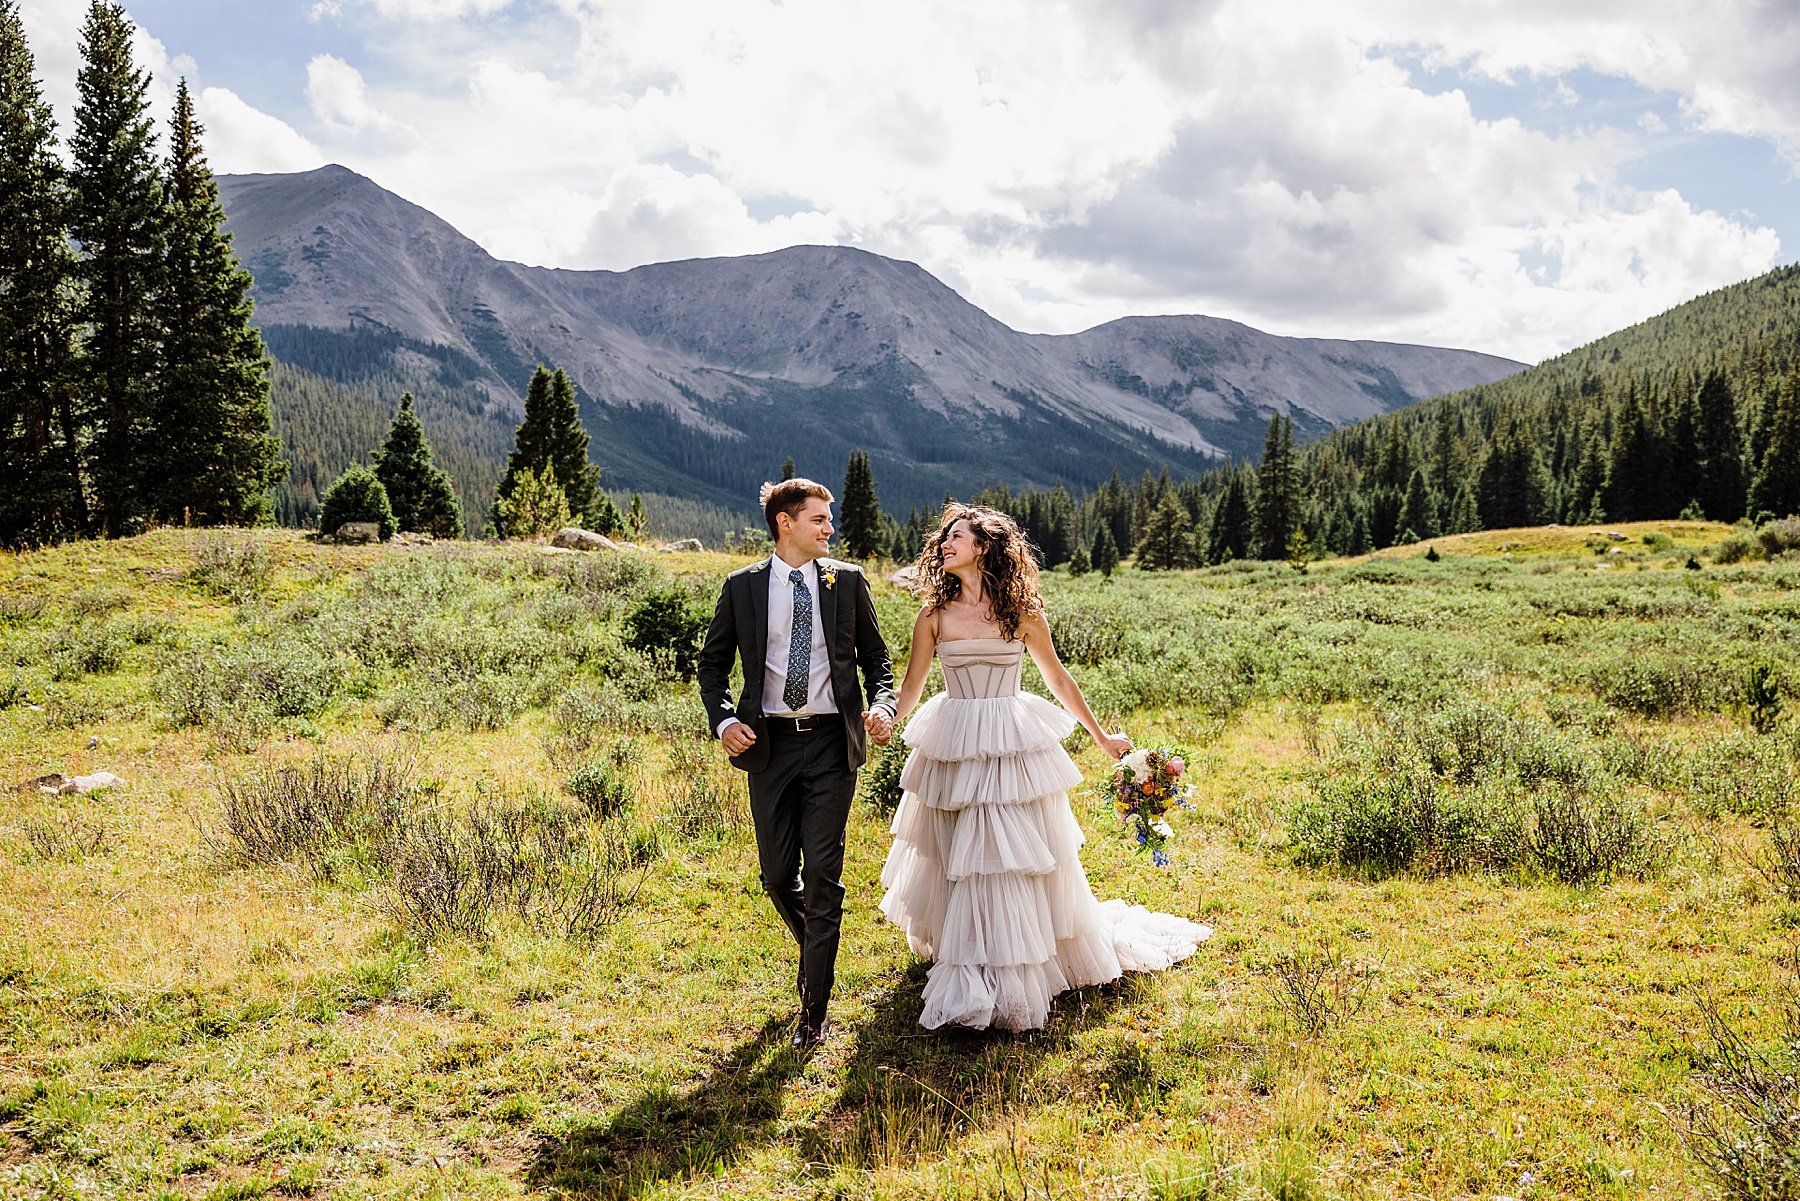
1062,685
918,663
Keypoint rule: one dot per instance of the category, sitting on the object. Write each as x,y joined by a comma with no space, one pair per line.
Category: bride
984,874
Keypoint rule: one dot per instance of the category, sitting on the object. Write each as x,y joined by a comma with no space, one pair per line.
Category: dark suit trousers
800,805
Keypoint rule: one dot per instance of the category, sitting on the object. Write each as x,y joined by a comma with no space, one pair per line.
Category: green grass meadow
425,881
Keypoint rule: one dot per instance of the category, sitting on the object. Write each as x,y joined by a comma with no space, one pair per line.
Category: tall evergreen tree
787,468
117,217
1106,551
41,497
1418,509
1637,476
1510,486
1718,451
1232,522
209,433
859,517
1277,491
1167,538
551,435
419,491
1776,489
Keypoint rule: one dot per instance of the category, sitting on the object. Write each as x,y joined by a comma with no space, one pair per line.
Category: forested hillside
1695,412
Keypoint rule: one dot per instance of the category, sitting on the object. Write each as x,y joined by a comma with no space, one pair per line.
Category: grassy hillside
1485,840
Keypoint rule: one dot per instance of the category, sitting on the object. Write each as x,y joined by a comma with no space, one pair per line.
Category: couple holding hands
984,874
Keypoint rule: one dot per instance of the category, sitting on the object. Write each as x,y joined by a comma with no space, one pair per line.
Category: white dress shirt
819,700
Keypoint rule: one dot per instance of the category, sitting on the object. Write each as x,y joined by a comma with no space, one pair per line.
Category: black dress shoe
811,1034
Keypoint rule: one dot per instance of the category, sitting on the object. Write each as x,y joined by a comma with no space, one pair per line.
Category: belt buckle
805,723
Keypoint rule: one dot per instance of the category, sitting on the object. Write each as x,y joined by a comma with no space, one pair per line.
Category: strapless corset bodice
978,668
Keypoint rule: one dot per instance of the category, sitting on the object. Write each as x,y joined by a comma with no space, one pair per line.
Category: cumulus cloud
1275,161
242,139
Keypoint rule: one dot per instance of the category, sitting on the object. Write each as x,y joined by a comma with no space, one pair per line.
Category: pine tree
534,505
1718,452
209,437
1419,509
1080,563
551,435
1776,490
1510,486
41,498
859,521
1637,475
418,489
1232,523
787,468
569,452
1106,551
636,520
117,217
1277,488
1167,537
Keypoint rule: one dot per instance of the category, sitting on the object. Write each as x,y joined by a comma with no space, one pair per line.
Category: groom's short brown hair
787,497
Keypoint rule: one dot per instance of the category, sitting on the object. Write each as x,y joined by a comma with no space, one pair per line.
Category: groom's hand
879,725
737,738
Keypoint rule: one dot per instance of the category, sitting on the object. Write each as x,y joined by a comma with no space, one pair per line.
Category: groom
802,625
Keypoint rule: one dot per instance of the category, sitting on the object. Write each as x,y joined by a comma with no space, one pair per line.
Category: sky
1511,176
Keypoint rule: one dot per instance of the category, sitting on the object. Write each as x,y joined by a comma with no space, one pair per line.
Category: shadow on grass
666,1132
905,1094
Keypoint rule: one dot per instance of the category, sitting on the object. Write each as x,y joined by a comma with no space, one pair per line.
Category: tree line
133,387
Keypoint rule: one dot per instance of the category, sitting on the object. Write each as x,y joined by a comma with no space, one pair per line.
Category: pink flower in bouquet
1176,765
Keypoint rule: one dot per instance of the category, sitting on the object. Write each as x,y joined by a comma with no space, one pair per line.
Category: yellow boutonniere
828,577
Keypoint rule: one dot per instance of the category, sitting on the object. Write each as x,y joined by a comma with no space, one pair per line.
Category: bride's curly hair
1009,574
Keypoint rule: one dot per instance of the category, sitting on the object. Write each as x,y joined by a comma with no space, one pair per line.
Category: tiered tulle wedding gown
985,875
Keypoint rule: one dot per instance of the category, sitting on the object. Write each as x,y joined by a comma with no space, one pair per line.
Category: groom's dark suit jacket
740,630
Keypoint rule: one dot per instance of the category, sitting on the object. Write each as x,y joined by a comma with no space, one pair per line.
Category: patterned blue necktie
799,671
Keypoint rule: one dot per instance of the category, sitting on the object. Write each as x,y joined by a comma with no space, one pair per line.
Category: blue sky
1516,178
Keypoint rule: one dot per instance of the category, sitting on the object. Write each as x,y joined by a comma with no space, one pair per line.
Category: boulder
573,537
93,783
358,531
684,545
907,577
51,783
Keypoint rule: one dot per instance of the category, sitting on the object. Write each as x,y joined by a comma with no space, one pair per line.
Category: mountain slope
697,378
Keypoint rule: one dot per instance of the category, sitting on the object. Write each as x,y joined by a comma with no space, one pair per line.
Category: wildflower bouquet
1144,786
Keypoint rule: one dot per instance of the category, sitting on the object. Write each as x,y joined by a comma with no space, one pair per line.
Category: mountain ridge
808,350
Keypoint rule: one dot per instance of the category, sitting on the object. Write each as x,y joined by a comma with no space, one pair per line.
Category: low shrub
233,568
1088,634
356,495
323,818
1735,548
1650,687
668,623
1580,839
1779,537
1384,823
65,839
241,691
1317,987
601,789
1745,1129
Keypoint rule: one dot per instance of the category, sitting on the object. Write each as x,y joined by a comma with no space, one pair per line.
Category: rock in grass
358,531
51,783
684,545
573,537
93,783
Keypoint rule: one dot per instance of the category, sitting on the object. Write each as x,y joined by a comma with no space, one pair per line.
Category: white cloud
241,139
1268,160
